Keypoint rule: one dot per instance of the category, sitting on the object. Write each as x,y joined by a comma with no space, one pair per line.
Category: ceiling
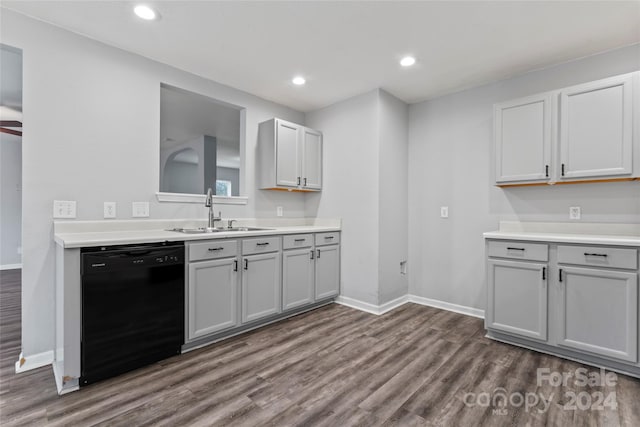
347,48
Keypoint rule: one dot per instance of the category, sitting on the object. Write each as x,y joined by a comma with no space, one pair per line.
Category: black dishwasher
132,307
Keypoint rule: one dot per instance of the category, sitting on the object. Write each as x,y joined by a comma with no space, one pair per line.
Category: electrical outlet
444,211
574,212
109,209
279,211
140,209
64,209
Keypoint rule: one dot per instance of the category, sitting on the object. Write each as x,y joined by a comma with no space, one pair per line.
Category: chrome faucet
230,223
208,203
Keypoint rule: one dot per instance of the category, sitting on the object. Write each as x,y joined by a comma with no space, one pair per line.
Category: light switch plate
574,212
444,211
140,209
64,209
109,209
279,211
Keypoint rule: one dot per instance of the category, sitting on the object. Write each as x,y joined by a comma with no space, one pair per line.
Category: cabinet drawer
261,245
598,256
519,250
297,241
212,249
327,238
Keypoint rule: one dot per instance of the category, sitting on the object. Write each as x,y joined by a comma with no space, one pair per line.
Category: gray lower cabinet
517,298
260,286
599,311
327,271
297,277
212,296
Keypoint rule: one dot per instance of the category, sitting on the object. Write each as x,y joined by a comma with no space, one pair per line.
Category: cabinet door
327,271
522,133
598,312
517,298
213,293
297,277
596,128
312,159
287,154
260,286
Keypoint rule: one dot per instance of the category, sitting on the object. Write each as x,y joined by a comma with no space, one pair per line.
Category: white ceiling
347,48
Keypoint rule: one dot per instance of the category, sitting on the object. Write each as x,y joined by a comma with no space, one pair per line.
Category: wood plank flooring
334,366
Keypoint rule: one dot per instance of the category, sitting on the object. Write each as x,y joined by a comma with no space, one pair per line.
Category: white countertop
584,233
97,233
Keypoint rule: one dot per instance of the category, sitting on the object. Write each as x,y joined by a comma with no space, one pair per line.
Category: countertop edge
565,238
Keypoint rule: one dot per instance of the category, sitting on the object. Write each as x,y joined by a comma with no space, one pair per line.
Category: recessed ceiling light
299,81
145,12
407,61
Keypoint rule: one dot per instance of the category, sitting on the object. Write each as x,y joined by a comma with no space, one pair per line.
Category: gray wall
10,199
350,188
92,135
393,200
450,149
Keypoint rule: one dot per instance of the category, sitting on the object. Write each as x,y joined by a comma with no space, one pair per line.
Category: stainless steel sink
204,230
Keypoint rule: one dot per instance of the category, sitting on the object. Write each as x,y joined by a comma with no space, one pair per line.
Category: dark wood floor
334,366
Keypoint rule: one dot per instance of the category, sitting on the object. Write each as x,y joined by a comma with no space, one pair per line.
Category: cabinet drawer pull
215,249
299,240
589,254
515,249
235,265
328,237
318,254
246,264
262,244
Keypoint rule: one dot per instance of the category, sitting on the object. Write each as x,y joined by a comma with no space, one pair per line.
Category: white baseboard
462,309
10,266
27,363
384,308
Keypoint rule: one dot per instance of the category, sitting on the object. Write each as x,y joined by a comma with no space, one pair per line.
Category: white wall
10,199
91,134
350,188
393,118
450,148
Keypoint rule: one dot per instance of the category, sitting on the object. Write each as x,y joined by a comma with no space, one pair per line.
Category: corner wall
450,149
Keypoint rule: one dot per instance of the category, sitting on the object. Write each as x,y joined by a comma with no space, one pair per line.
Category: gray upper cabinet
212,296
580,133
596,129
289,156
522,135
599,312
517,298
260,286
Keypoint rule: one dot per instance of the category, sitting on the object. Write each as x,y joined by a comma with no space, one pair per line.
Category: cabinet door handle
299,240
215,249
590,254
305,182
515,249
318,254
560,276
246,264
311,254
262,244
298,180
235,265
546,170
562,168
544,273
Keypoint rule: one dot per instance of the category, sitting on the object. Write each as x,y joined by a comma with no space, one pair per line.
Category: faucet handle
230,223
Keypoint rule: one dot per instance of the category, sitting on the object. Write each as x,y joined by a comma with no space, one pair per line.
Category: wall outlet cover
574,212
444,211
140,209
64,209
109,209
279,211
